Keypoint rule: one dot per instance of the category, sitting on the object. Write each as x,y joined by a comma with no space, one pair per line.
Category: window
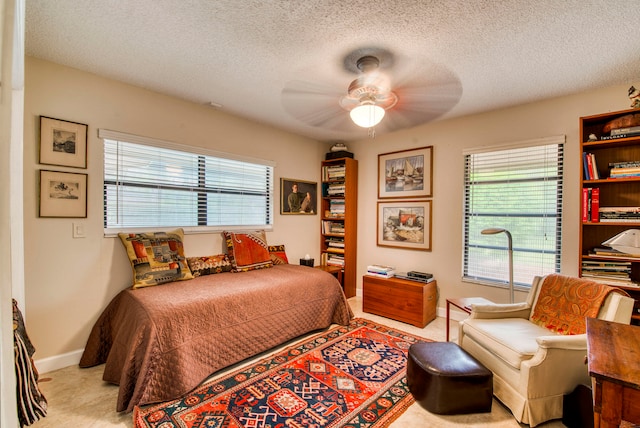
519,189
150,183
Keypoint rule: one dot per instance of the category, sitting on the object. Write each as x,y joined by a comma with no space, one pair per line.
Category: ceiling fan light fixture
367,115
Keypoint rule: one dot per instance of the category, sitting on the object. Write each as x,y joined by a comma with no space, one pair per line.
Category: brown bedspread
160,342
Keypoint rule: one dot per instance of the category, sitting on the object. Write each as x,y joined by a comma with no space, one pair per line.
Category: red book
592,176
595,204
585,204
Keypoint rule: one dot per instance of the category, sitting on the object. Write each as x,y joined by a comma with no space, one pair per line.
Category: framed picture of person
298,196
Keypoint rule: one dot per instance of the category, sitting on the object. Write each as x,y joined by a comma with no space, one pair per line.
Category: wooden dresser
412,302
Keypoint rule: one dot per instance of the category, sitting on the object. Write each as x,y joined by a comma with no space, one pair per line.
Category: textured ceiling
465,56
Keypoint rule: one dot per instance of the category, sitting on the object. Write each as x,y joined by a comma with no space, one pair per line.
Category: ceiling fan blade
419,105
316,105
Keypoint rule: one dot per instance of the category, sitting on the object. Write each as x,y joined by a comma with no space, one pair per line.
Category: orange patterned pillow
247,251
156,257
209,265
278,255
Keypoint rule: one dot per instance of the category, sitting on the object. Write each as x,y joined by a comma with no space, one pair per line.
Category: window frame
200,153
559,140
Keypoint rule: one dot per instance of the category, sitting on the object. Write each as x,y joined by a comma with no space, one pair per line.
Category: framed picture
63,194
63,143
405,174
405,224
298,196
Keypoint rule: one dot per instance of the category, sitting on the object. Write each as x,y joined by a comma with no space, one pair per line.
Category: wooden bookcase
613,192
339,214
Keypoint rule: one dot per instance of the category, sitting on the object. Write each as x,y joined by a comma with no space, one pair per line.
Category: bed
160,342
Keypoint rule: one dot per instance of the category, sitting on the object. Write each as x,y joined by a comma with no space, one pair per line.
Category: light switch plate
78,230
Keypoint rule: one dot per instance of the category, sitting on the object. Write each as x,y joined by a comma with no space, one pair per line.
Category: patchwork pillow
247,251
156,257
209,265
278,255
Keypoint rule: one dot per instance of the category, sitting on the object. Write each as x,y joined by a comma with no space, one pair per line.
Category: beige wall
449,138
69,281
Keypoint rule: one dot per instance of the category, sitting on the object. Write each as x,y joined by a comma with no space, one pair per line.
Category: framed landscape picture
298,196
406,174
405,224
63,194
63,143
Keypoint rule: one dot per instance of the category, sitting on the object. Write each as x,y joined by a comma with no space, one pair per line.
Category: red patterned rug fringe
348,376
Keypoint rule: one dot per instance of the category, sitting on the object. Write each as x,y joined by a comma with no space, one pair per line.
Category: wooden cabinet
412,302
614,191
339,214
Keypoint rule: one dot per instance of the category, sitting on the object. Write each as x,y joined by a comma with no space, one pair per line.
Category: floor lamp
494,231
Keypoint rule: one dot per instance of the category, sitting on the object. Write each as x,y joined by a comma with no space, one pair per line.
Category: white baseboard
56,362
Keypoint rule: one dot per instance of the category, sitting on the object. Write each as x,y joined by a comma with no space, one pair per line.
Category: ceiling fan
404,93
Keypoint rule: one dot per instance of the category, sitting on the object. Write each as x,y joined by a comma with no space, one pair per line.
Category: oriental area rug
349,376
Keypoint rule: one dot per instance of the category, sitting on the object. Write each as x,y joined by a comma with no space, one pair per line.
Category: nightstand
333,270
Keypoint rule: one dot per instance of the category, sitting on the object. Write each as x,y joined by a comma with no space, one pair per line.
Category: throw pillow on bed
156,257
209,265
247,251
278,255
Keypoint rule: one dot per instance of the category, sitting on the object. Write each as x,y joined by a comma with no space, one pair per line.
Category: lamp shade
626,242
367,115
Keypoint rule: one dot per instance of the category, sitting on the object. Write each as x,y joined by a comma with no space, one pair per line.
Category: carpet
348,376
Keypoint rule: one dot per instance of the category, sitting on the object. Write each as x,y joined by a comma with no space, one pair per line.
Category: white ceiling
242,54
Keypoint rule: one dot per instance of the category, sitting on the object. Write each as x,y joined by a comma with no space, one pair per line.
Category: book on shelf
615,137
624,164
619,214
333,172
591,204
630,130
335,242
610,252
332,259
335,250
590,166
620,170
333,227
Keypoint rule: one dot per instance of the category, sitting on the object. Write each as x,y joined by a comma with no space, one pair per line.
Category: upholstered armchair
537,349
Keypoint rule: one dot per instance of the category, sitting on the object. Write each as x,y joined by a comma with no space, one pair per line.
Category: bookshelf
339,213
608,198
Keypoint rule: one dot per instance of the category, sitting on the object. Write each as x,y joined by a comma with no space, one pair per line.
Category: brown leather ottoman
446,380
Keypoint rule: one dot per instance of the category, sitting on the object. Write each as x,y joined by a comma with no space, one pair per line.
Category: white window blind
150,183
518,188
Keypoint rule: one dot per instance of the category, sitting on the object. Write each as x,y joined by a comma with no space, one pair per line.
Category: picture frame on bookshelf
406,174
298,197
63,194
63,143
404,224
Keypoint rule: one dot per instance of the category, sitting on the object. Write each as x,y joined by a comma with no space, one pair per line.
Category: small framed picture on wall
63,194
405,224
406,174
63,143
298,196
